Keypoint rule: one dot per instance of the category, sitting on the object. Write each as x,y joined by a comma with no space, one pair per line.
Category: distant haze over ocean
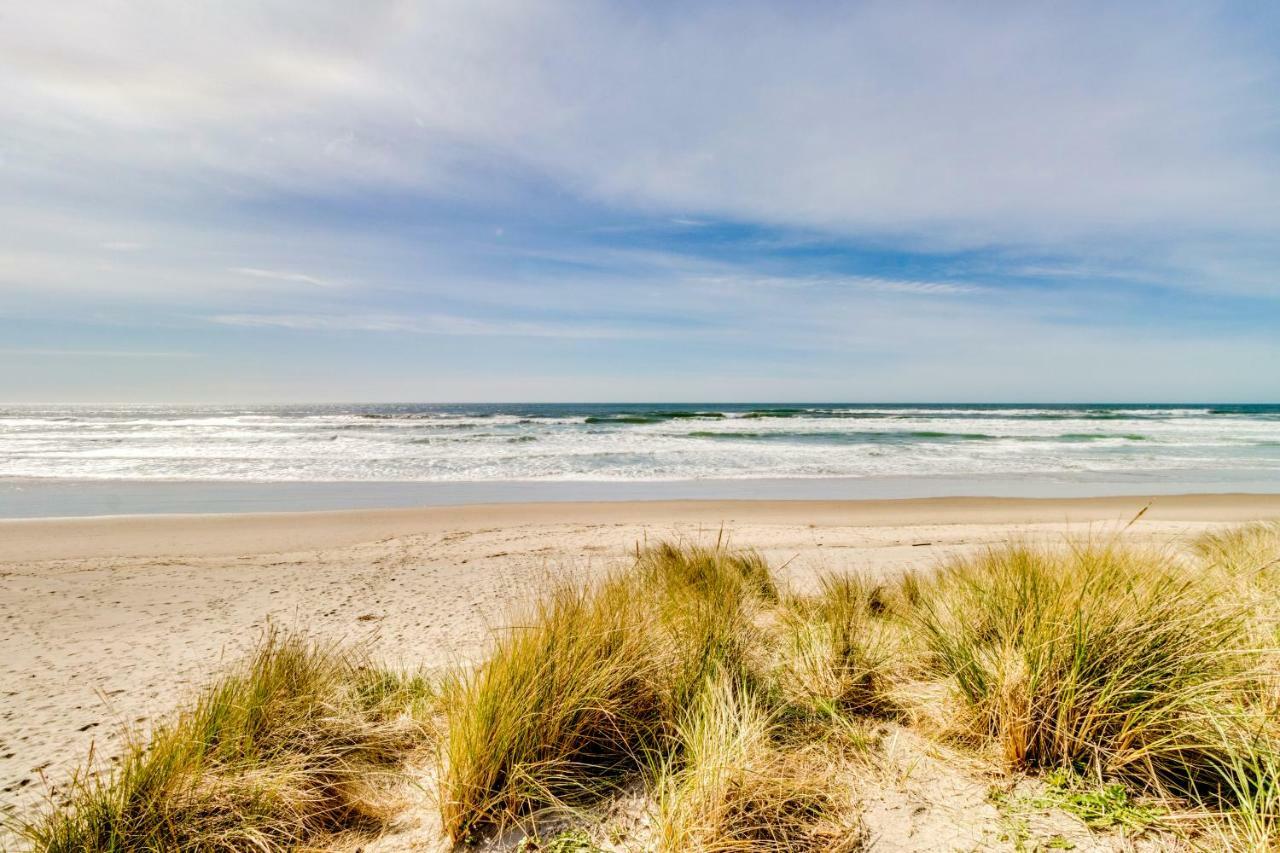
1064,448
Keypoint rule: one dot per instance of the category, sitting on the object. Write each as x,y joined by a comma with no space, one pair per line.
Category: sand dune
113,620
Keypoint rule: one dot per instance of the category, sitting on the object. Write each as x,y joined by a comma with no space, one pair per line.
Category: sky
651,201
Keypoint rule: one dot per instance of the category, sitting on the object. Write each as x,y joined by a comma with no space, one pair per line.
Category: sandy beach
113,621
679,428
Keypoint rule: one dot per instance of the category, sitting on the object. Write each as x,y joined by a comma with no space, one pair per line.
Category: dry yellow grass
834,650
566,704
731,786
300,741
737,704
1098,658
589,685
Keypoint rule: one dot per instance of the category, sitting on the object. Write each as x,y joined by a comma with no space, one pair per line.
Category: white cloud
285,275
936,123
425,324
60,352
869,283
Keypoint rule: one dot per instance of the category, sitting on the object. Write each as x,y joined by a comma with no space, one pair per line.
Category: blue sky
610,201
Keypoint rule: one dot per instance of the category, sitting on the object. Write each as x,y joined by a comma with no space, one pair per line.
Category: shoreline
59,498
216,534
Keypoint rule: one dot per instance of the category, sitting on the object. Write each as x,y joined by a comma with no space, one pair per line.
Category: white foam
332,444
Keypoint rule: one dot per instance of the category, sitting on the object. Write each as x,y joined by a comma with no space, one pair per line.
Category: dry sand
115,620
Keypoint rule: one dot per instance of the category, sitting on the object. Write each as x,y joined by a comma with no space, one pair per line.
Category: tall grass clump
565,704
1251,551
591,683
835,649
731,788
1096,658
300,741
1248,763
1247,560
705,600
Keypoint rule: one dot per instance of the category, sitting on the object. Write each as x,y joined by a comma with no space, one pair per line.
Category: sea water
458,453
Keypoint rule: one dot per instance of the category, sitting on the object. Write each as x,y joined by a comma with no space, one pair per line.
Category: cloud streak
57,352
865,283
284,275
429,324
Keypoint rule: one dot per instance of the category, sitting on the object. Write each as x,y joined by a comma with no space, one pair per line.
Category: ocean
73,460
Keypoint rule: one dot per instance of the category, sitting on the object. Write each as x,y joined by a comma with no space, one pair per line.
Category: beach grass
568,703
739,707
301,740
731,785
690,668
590,683
835,650
1103,659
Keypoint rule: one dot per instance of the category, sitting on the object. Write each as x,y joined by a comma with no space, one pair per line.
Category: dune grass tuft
707,571
1246,561
1247,760
298,742
835,649
565,704
705,601
592,682
730,787
1250,550
1101,659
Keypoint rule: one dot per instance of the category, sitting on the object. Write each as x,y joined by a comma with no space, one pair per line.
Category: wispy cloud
427,324
57,352
285,275
928,288
866,283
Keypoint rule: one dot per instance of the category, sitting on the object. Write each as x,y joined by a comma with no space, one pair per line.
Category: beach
606,428
113,621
